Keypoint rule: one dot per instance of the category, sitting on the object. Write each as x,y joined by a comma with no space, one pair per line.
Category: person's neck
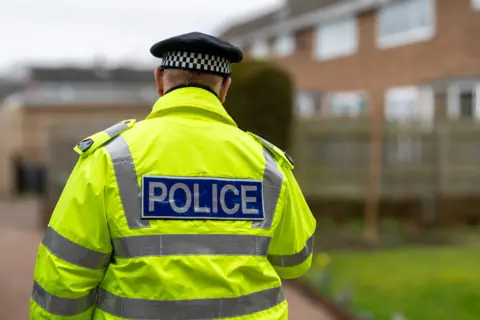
186,85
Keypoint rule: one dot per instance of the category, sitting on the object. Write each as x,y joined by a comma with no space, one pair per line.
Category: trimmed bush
260,100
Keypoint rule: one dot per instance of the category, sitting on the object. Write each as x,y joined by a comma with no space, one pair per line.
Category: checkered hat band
196,61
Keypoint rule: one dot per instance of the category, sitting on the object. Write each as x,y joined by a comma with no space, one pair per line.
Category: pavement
19,239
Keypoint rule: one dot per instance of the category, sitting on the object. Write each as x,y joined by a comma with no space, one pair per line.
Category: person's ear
159,81
224,89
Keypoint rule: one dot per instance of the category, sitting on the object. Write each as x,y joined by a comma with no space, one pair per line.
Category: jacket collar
191,98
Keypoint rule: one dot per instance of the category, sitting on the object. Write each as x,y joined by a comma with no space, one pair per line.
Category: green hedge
260,100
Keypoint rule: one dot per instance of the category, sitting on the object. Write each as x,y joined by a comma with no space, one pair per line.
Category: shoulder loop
88,145
279,153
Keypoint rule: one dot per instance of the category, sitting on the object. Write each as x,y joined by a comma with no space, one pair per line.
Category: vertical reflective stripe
193,309
116,129
62,306
128,187
272,184
266,142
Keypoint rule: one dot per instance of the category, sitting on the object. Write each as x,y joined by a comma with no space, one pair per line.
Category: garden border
337,312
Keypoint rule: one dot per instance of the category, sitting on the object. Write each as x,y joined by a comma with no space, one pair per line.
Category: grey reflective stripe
69,251
266,142
272,184
293,260
116,129
190,244
189,309
62,306
128,187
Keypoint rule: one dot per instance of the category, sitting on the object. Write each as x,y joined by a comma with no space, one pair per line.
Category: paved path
302,308
18,249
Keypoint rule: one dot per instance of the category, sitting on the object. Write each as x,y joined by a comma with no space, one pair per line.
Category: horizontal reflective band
116,129
190,244
62,306
189,309
76,254
293,260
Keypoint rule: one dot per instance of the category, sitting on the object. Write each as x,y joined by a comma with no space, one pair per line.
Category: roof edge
312,18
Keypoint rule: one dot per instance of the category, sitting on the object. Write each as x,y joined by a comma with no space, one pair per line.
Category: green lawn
421,283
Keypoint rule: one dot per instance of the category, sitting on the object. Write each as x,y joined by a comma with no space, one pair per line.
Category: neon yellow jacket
101,260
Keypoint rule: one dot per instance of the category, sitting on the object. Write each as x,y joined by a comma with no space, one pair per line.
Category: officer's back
183,215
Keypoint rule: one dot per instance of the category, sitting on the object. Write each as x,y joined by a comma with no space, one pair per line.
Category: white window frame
476,5
284,44
260,49
305,105
453,99
422,105
420,34
408,150
344,52
347,95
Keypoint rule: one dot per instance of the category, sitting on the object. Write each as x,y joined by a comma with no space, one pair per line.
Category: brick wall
454,50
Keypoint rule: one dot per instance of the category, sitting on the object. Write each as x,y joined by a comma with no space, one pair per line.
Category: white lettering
214,198
246,199
152,198
196,200
188,198
222,199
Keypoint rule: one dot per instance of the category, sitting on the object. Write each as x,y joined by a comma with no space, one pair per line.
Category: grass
421,283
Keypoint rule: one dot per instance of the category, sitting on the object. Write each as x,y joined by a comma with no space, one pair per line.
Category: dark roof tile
75,74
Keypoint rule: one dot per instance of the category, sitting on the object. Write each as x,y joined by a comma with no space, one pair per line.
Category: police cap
197,51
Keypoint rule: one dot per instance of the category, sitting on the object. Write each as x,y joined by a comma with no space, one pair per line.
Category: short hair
177,77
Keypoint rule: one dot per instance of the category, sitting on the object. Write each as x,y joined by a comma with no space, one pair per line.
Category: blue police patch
201,198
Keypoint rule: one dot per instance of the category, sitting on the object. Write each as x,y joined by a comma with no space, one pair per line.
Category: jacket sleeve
75,252
291,248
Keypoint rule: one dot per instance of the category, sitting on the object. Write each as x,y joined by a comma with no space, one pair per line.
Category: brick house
408,59
73,102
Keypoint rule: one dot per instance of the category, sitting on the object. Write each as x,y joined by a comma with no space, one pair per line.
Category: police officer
180,216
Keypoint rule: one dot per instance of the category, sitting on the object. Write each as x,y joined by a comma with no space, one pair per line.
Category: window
305,105
476,5
463,102
400,104
260,49
406,21
467,109
410,103
336,39
346,104
405,104
284,45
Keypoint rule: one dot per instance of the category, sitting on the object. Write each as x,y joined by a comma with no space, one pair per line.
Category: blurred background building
394,64
63,101
413,59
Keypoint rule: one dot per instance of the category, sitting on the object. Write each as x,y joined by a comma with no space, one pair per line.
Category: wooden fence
332,158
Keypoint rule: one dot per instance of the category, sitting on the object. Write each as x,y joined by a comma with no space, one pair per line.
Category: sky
56,32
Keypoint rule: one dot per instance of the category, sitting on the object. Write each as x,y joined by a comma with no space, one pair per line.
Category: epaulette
279,154
88,145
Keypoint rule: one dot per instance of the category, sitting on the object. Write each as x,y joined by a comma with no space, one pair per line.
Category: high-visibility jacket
117,249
